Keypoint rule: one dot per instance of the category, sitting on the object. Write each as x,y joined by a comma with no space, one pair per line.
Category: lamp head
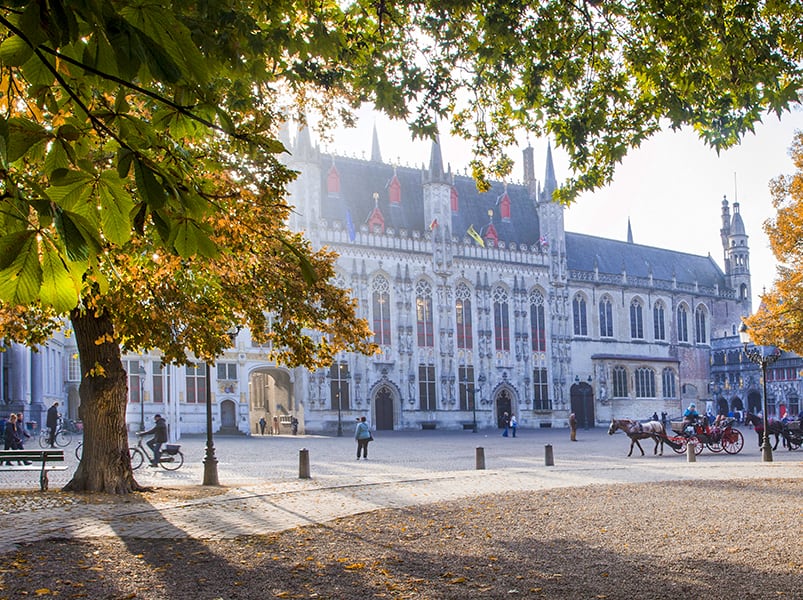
744,335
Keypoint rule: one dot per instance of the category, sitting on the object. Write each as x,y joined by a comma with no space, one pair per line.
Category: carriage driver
690,417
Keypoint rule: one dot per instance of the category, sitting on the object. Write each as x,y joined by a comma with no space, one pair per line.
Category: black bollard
548,458
480,458
303,464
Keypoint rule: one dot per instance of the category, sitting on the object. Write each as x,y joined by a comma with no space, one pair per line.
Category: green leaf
56,159
23,134
116,206
148,186
21,279
124,159
71,235
14,51
59,288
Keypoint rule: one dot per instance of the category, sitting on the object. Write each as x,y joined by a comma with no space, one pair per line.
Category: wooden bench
41,460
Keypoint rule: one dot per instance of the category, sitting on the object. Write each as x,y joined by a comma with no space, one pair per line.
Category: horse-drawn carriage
702,434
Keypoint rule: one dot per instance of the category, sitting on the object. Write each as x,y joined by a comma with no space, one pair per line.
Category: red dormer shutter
394,190
454,199
490,234
333,181
504,207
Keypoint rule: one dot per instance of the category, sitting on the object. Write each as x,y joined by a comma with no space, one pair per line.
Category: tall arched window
619,382
463,317
381,304
645,383
668,383
423,314
700,335
683,323
579,314
636,320
501,320
605,317
537,322
658,317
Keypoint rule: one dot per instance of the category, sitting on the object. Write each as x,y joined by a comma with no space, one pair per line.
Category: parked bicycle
170,458
62,439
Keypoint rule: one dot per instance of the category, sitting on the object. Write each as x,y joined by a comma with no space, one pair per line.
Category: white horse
636,431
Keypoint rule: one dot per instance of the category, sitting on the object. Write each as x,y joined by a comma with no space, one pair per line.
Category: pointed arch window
423,314
537,322
683,324
540,389
605,317
579,314
636,320
427,387
645,383
619,382
700,335
465,336
381,306
501,320
658,321
668,382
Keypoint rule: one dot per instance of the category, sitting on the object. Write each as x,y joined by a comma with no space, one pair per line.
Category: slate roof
587,252
359,179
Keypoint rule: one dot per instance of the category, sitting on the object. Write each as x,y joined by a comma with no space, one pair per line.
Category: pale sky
671,188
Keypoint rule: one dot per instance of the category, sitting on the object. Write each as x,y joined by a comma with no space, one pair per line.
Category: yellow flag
472,233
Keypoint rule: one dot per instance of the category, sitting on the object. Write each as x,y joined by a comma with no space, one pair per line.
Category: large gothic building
480,303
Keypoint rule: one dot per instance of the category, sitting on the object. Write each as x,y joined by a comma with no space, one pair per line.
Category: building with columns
481,304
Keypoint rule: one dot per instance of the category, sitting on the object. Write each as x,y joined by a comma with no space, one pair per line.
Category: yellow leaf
42,592
354,566
458,580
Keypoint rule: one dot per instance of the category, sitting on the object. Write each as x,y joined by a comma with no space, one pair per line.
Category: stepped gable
585,252
359,179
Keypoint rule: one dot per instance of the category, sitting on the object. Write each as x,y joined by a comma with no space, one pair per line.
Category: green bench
41,460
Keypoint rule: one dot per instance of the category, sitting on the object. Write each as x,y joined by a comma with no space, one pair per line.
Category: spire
629,232
529,164
436,161
376,155
550,181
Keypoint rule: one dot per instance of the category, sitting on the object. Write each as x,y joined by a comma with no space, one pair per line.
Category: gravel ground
710,539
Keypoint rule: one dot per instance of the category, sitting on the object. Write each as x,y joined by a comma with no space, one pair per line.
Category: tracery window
605,317
619,382
423,314
658,321
700,335
463,317
668,382
501,320
645,383
636,320
537,322
683,323
579,314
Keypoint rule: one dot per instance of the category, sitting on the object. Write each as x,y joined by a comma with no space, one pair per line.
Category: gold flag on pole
472,233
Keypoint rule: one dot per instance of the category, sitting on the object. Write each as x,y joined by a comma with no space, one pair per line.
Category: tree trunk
105,463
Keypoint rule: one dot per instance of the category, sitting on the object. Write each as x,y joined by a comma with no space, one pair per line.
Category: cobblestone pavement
262,492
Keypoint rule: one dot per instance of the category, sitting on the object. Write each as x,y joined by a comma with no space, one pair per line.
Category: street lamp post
762,356
339,414
210,460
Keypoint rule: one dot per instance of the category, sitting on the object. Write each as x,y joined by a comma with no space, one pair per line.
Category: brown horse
636,431
774,427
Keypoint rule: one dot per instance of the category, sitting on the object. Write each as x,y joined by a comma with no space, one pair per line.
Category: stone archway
228,417
271,393
504,403
582,403
384,400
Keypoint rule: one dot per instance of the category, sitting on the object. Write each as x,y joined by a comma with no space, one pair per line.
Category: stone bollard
480,458
303,464
690,455
548,458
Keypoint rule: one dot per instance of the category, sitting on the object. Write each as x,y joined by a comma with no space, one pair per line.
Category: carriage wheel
715,446
733,441
681,442
698,445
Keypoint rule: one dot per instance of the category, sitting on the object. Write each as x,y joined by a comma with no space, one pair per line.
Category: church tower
737,254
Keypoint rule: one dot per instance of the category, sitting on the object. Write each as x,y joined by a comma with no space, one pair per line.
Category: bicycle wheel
171,462
43,435
79,450
137,458
63,438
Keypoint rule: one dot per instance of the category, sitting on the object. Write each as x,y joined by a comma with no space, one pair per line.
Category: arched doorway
503,405
228,417
271,394
383,403
754,402
582,403
722,406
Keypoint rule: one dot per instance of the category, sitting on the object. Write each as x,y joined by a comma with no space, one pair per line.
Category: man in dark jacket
52,422
159,431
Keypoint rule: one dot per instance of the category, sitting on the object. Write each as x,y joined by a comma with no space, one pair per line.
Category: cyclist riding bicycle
159,431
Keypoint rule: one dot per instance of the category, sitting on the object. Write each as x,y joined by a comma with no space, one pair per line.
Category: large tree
779,319
132,128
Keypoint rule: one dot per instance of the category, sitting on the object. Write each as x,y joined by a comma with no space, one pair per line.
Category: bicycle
171,458
62,438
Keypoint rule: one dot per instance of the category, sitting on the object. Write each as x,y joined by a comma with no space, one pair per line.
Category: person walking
159,431
505,424
21,433
262,424
275,425
573,426
52,422
514,424
363,435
